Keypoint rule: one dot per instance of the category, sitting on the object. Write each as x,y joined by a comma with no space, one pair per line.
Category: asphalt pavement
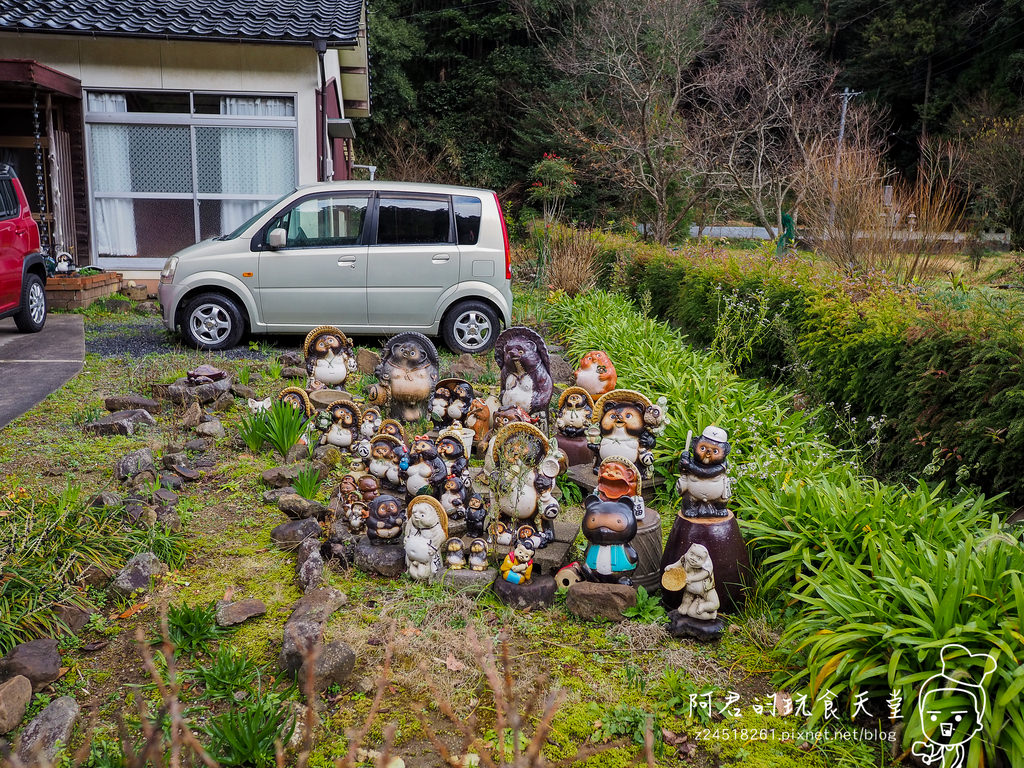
32,365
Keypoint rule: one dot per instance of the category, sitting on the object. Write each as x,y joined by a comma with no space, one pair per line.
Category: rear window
467,219
409,221
9,205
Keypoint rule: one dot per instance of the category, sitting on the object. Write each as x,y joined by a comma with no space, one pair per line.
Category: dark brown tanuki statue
522,356
329,358
407,375
385,521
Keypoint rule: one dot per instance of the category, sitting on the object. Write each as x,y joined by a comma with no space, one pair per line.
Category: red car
22,272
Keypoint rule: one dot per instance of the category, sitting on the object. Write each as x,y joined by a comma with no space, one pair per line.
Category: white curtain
253,160
113,219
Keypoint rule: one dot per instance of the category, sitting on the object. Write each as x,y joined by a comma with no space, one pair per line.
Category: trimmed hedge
943,367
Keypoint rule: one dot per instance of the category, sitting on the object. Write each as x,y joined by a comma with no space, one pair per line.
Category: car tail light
504,234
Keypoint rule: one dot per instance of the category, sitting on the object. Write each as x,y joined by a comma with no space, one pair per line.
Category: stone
105,499
305,626
300,712
278,477
185,472
225,402
293,372
74,618
49,728
328,455
468,580
137,511
561,371
305,549
297,452
297,506
198,445
171,481
212,429
131,403
291,358
589,600
121,423
38,660
537,593
147,308
168,518
171,459
15,696
334,664
274,494
367,361
206,371
94,576
386,560
311,572
166,497
242,391
290,535
206,462
138,574
193,416
181,393
230,614
681,625
465,366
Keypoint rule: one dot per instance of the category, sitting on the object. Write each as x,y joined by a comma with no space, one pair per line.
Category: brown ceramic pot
722,537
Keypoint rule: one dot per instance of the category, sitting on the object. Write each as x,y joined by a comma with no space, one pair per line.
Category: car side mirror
277,238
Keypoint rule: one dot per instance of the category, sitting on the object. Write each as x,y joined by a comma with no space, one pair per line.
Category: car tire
470,326
212,321
32,316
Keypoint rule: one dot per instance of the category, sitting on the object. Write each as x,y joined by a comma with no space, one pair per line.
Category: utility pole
846,95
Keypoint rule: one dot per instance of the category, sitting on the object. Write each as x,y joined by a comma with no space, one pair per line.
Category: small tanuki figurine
523,482
517,567
610,523
297,399
478,555
455,497
357,514
575,410
439,403
453,451
407,375
478,419
393,428
596,373
370,423
384,523
656,416
619,416
369,488
704,481
455,553
329,358
427,471
343,425
512,414
694,576
386,456
426,530
522,356
476,516
460,400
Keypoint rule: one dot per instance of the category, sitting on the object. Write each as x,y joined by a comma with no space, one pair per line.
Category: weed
648,608
572,494
274,368
192,627
253,428
627,721
246,734
284,426
86,415
676,695
244,374
230,670
307,483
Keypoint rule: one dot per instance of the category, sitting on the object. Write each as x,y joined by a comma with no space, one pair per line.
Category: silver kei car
368,257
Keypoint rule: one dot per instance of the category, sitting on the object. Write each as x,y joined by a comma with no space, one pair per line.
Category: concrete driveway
32,365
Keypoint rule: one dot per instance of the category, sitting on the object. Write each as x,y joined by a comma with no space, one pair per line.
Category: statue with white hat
704,482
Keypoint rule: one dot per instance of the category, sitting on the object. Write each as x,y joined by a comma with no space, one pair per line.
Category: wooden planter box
80,292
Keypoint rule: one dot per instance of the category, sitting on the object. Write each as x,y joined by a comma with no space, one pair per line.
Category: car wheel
471,326
212,321
32,316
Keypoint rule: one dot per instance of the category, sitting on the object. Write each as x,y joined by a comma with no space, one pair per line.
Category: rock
147,308
297,452
116,304
206,372
466,367
242,391
51,726
334,664
38,660
230,614
680,625
171,481
15,696
278,477
182,393
311,571
171,459
74,618
300,712
291,358
225,402
588,600
328,455
465,579
290,535
296,506
168,518
121,423
305,627
165,497
367,361
212,429
132,464
198,445
94,576
185,472
105,499
139,512
293,372
193,416
272,496
561,371
131,403
538,592
138,574
383,559
206,462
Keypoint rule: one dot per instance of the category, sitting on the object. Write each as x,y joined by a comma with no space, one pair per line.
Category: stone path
32,365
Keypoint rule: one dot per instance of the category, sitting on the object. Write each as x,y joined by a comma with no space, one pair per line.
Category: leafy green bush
192,628
284,426
229,671
307,483
246,733
254,429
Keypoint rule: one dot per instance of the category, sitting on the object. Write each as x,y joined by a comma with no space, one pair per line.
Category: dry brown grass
572,264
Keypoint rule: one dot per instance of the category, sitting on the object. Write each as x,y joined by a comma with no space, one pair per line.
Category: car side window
9,205
323,222
413,221
467,219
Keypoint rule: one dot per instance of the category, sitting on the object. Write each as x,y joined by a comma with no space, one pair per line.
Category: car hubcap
472,329
210,324
36,303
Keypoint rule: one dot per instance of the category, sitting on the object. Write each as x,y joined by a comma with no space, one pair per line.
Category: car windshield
252,220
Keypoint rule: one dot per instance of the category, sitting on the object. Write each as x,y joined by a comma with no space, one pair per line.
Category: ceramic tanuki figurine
517,567
384,523
297,399
476,517
426,530
455,497
478,555
596,373
329,358
479,420
393,428
693,576
574,414
704,481
522,356
512,414
343,427
455,553
522,484
385,462
610,523
453,451
427,471
439,403
369,422
407,375
357,514
619,415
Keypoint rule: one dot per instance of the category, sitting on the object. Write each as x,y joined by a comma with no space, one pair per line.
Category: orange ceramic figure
596,373
617,477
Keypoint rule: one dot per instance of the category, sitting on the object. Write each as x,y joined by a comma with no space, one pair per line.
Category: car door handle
347,261
440,258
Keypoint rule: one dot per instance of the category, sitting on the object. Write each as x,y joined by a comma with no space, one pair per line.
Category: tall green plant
284,426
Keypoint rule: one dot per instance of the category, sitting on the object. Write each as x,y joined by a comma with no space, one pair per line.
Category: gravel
136,336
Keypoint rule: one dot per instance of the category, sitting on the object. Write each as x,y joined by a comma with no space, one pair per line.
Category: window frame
260,238
453,239
6,213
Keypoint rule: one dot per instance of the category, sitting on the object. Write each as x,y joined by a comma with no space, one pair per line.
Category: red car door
19,236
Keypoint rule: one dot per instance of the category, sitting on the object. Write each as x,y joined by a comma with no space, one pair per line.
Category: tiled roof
271,21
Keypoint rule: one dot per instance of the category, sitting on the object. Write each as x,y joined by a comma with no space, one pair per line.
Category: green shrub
307,483
254,430
229,671
284,426
191,628
246,733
